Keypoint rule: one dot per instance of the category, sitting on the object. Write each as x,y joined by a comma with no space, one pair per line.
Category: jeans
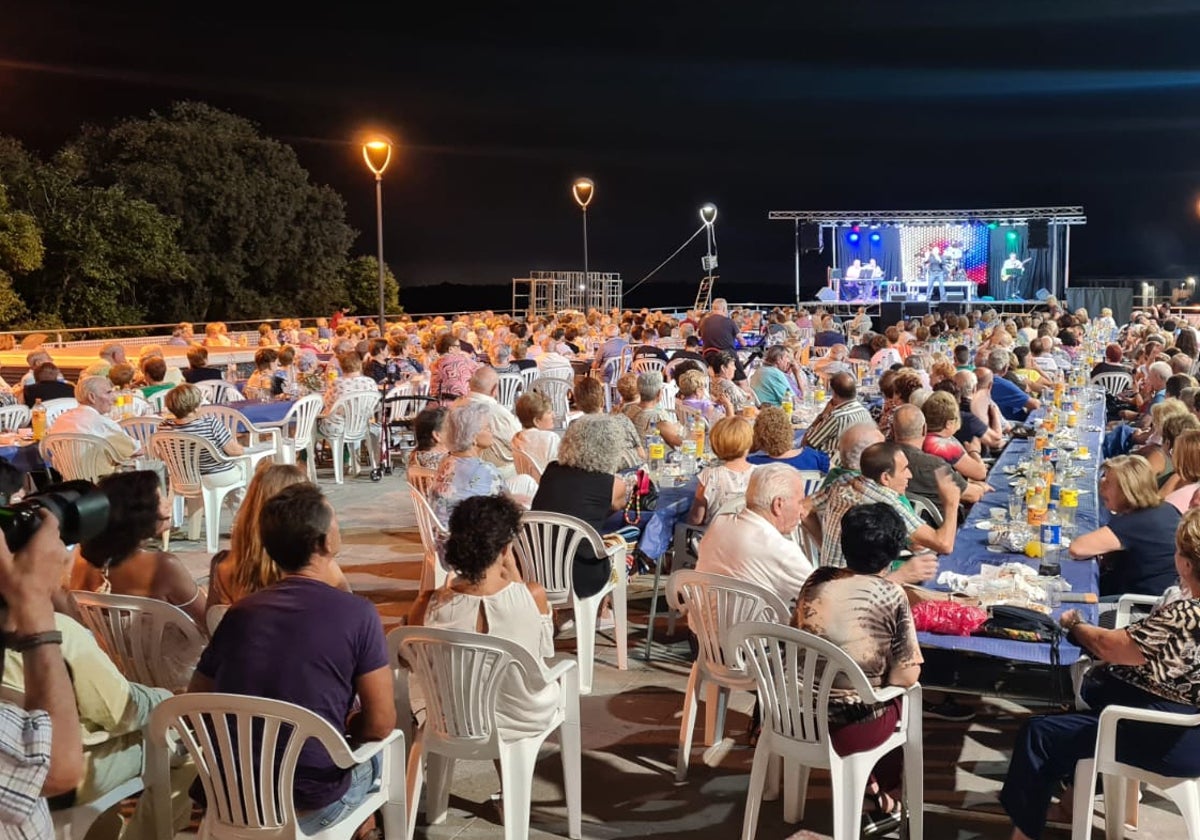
363,780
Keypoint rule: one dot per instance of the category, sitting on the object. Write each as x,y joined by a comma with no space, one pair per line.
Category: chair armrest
1128,602
1106,733
547,674
561,667
369,749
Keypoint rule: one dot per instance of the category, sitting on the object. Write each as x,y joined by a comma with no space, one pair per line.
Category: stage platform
915,308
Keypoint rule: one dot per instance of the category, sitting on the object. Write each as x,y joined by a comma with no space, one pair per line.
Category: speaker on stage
1042,294
810,237
897,292
1039,234
826,294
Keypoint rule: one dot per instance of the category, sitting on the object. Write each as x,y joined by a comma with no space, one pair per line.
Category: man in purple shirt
307,642
718,331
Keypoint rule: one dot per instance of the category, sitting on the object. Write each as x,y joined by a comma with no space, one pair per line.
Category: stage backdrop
915,239
885,252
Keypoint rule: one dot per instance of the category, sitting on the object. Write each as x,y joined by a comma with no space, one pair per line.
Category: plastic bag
948,617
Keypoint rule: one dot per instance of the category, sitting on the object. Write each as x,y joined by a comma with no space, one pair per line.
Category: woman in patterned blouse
1153,664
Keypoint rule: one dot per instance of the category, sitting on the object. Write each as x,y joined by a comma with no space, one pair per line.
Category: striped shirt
849,490
826,430
209,427
24,765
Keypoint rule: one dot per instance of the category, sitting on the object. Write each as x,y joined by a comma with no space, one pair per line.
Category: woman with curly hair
774,440
487,595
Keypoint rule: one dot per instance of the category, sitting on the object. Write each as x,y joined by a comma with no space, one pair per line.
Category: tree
21,251
109,258
262,239
360,279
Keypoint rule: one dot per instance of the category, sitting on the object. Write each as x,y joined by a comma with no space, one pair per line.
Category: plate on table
985,525
1010,469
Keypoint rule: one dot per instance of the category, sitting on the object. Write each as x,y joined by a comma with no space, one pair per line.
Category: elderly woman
429,430
724,485
774,440
727,394
463,473
583,483
183,401
867,616
770,382
352,381
589,399
450,375
693,394
486,595
1139,553
1153,664
903,384
942,420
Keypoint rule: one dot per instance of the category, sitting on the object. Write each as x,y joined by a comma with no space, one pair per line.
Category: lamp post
583,189
377,153
708,215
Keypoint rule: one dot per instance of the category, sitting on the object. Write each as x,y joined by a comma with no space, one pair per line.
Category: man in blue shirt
1013,403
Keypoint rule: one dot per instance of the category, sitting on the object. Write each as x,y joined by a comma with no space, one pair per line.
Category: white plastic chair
545,549
1121,780
510,387
237,423
526,464
141,429
73,823
666,397
420,478
528,375
433,536
713,604
357,411
303,417
565,372
647,364
157,400
217,391
180,453
925,509
1113,382
245,750
13,417
131,631
812,480
794,672
557,391
79,457
56,407
461,674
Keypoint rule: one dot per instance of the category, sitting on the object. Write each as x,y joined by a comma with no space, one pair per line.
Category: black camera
80,507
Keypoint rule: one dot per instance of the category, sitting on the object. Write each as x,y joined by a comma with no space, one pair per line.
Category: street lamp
708,215
583,189
377,153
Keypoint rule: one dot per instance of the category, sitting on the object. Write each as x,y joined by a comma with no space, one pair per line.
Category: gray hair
1162,369
998,360
967,382
650,385
463,425
88,386
854,441
593,443
769,482
503,354
484,379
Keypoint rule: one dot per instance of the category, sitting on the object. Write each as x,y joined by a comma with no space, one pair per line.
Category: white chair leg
1186,797
516,780
439,771
712,713
395,812
774,779
621,616
571,747
416,776
339,451
1114,806
691,697
585,640
849,782
914,768
795,790
1084,801
754,794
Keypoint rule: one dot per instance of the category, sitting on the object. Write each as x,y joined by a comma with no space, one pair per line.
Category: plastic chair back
545,549
510,387
158,399
76,457
303,415
217,391
141,429
180,453
357,411
528,375
666,397
565,372
526,464
433,534
54,408
1114,382
131,631
233,420
13,417
647,364
557,391
812,480
421,478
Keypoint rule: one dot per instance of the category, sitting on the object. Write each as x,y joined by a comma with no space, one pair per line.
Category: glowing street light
708,215
377,153
584,190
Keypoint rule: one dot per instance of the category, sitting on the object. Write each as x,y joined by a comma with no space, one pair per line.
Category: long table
971,551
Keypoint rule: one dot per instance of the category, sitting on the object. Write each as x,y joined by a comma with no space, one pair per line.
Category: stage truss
1058,218
548,292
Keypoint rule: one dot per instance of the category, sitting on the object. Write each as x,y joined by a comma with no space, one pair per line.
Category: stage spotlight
853,238
1012,234
854,228
991,225
874,237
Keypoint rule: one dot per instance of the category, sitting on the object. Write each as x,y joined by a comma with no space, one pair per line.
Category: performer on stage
854,270
1011,275
935,272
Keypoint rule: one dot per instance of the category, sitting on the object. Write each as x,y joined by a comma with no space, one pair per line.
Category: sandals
885,815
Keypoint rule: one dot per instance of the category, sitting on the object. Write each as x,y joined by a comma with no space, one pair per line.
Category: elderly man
613,348
110,354
984,407
95,397
650,385
972,426
881,475
770,382
908,431
1042,359
1013,402
844,410
485,387
755,545
1154,391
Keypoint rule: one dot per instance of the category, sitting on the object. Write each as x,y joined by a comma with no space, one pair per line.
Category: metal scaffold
548,292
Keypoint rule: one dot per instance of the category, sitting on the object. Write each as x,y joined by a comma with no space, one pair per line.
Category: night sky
666,105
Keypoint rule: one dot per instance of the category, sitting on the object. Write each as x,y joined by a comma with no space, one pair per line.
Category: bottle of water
1068,504
1051,539
656,451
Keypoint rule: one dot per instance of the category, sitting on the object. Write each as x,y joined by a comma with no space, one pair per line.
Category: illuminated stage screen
916,240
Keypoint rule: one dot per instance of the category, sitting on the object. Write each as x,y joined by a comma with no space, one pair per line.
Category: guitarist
1013,270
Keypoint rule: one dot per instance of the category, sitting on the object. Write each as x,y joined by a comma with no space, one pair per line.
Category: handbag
1024,625
643,497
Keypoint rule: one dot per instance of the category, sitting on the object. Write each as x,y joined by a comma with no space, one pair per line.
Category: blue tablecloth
263,412
24,458
971,548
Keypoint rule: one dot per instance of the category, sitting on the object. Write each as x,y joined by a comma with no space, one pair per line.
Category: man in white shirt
485,385
111,354
95,397
755,545
1041,358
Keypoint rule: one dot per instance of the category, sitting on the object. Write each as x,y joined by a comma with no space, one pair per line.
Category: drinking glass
1016,503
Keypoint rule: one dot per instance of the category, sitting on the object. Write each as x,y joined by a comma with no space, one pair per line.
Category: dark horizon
764,107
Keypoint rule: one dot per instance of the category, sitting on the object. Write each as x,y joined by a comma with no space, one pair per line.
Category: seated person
727,393
343,674
867,615
486,595
429,430
198,369
183,402
1138,541
770,382
1152,664
154,371
724,484
774,440
649,412
942,418
95,397
693,394
463,473
537,437
47,385
756,544
261,384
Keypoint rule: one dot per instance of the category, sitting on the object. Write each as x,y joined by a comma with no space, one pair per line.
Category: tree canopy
360,279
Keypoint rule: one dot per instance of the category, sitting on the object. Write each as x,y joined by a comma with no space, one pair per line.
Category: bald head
966,382
484,380
985,379
856,439
844,386
908,425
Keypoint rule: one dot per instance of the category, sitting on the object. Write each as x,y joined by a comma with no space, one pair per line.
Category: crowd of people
824,438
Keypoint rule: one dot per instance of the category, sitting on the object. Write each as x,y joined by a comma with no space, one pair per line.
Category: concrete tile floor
631,724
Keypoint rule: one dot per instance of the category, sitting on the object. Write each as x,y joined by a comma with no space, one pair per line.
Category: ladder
704,293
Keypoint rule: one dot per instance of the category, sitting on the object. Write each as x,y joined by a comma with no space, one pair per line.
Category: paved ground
631,724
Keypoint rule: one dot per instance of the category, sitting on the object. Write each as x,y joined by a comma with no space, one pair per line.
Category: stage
891,311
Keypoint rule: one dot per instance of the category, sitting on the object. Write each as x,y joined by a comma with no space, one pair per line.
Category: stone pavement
631,723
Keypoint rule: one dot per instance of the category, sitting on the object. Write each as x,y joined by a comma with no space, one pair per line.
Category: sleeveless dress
511,614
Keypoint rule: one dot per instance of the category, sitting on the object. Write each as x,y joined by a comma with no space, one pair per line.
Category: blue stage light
874,237
853,238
